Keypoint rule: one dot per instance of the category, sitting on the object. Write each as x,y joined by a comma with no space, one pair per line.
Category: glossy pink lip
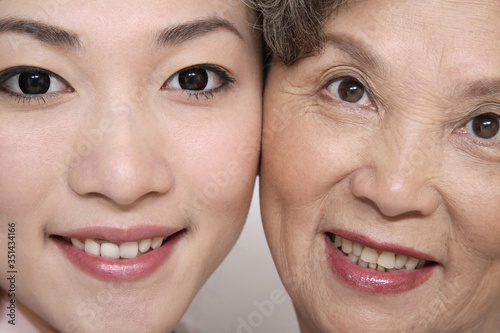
372,280
106,269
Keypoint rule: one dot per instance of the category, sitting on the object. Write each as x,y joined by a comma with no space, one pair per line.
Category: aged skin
122,124
389,138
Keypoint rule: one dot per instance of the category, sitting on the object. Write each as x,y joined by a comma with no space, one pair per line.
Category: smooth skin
119,141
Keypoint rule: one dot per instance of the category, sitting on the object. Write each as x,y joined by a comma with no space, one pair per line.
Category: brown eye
200,80
32,81
193,79
349,90
485,126
34,84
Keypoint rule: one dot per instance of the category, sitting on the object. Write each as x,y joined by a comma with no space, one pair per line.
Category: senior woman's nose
124,160
398,174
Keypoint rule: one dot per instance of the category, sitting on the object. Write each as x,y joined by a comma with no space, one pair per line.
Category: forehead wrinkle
41,31
357,50
184,32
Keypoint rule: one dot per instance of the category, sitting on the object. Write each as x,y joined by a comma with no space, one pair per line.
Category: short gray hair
293,29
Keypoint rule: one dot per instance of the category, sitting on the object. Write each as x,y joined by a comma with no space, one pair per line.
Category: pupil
351,91
34,84
486,126
193,79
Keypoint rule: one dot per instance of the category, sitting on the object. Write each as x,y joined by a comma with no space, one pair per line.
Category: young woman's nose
399,175
125,161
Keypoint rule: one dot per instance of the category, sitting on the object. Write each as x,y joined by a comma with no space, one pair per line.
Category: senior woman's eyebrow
356,49
43,32
194,29
489,87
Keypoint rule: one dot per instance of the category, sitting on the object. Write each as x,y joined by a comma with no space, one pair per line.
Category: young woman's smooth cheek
120,151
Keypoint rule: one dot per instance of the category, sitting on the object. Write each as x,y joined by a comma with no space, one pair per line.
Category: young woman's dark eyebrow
43,32
169,36
194,29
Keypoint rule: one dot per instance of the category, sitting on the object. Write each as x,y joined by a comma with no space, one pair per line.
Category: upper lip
388,247
120,235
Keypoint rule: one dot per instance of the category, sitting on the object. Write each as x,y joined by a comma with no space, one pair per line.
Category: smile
112,254
367,257
112,250
376,267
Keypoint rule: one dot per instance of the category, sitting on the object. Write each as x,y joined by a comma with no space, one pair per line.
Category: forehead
127,17
451,36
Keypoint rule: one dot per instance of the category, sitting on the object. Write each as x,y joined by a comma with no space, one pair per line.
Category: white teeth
353,257
362,263
129,250
369,258
346,246
78,244
338,241
400,261
92,247
156,242
369,255
144,245
110,250
387,260
411,263
357,248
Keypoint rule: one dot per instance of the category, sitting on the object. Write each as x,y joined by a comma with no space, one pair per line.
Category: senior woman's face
386,147
129,147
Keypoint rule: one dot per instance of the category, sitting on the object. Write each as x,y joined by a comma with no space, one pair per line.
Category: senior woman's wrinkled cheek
366,176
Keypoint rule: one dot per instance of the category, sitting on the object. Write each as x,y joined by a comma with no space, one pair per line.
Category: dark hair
293,29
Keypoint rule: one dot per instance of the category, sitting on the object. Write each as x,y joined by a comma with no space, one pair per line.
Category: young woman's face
130,130
390,139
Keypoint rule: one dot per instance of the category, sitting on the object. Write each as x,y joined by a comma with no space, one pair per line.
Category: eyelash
28,98
468,129
208,94
212,71
366,98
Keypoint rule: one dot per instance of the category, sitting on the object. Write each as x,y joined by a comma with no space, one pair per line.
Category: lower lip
112,270
371,280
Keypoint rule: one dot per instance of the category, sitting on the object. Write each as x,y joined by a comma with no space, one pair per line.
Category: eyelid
211,77
493,108
222,73
12,72
469,130
338,77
